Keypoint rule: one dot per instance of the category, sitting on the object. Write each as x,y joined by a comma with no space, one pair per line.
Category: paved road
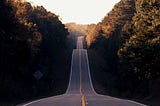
80,91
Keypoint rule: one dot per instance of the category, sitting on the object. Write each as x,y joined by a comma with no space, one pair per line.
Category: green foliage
113,21
49,25
142,51
31,39
128,38
91,33
104,38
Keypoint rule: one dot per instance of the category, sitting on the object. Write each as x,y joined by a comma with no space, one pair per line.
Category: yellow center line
83,101
80,68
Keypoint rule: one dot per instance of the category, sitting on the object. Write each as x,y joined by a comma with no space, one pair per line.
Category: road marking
31,102
80,71
83,100
35,101
83,103
90,74
113,98
70,73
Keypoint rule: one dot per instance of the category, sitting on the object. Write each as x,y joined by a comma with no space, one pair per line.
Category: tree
31,39
141,51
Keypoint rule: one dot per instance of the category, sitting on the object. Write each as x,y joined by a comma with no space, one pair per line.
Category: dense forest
124,50
35,51
34,56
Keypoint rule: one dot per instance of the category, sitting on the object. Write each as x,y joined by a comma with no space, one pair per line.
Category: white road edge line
90,83
70,73
35,101
54,96
90,73
104,95
31,102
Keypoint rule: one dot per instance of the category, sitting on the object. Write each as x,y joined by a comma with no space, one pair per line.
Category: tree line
75,30
32,40
128,39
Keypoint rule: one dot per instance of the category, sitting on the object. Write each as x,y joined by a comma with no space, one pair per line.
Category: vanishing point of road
80,90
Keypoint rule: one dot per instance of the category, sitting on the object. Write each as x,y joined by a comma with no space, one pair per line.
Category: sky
79,11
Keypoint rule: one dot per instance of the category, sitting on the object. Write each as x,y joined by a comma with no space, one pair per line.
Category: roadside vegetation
36,48
124,51
35,54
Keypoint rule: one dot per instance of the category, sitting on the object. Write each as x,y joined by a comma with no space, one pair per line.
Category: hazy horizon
78,11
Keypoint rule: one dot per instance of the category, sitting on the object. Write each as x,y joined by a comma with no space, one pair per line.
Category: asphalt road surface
80,91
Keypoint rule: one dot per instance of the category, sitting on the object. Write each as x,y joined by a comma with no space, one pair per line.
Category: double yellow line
83,101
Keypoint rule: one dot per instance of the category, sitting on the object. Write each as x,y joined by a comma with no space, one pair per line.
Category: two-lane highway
80,90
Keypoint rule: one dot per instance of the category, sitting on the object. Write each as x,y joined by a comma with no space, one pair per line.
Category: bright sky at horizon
79,11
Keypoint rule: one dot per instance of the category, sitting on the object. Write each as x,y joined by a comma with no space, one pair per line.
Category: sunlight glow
79,11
